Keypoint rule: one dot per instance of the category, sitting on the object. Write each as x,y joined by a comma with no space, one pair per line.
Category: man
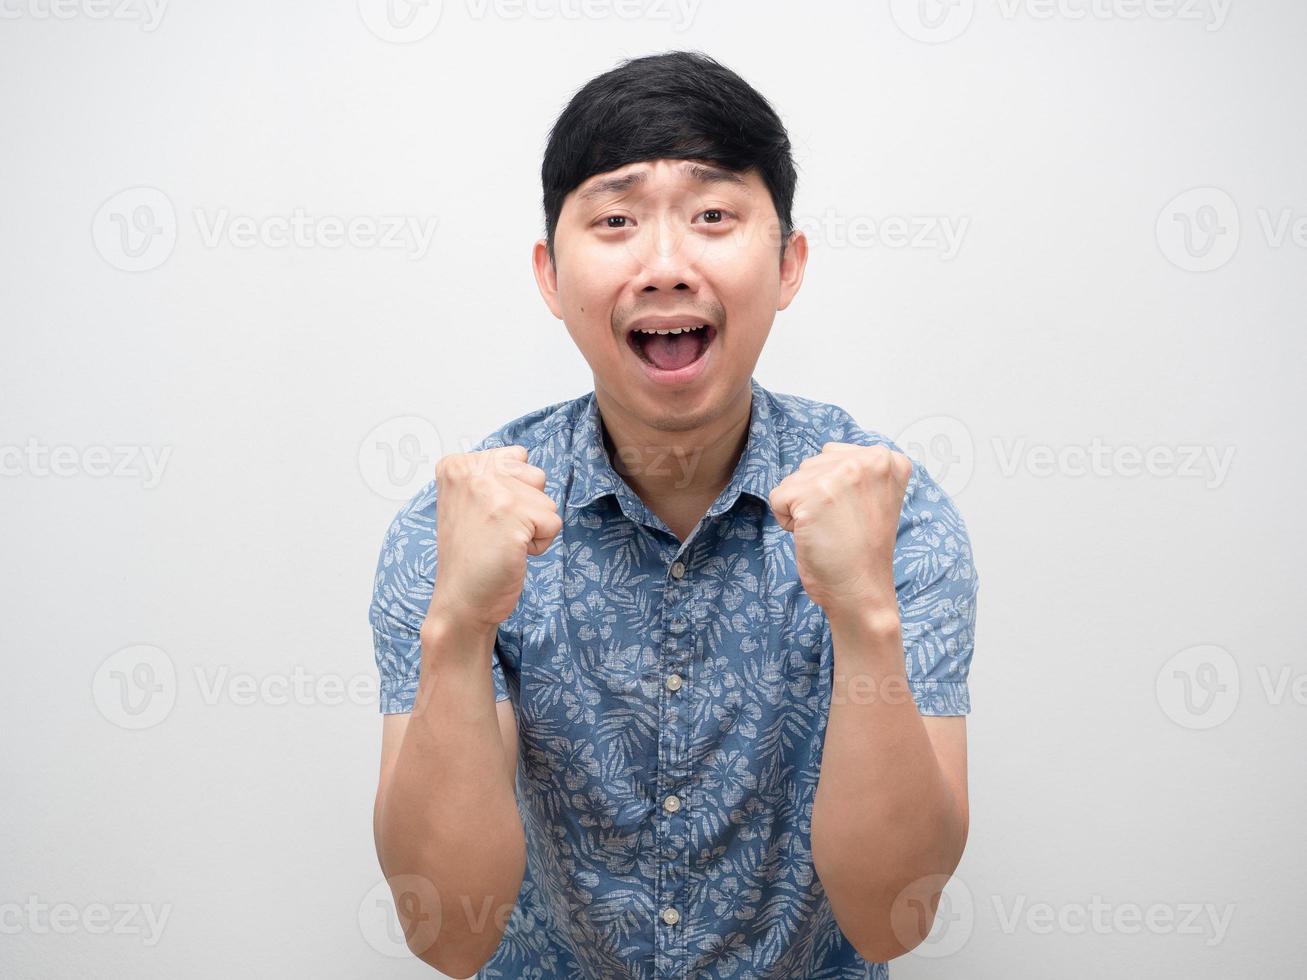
728,631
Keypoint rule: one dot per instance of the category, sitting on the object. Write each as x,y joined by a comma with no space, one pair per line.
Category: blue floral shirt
671,699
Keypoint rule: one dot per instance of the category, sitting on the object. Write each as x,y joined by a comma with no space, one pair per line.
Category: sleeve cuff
941,697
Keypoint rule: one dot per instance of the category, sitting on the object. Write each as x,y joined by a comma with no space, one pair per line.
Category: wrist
873,619
445,624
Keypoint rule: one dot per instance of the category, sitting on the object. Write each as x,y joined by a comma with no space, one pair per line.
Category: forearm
883,818
448,813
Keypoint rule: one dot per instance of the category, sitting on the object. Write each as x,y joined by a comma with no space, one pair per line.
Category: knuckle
498,502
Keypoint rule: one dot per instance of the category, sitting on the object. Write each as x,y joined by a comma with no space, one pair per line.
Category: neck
662,464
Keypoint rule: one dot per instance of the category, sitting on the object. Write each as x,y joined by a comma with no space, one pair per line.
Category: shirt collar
756,473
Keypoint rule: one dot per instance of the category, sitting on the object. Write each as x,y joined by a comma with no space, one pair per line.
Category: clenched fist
843,508
491,512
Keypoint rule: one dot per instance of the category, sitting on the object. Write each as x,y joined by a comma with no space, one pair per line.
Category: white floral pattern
601,625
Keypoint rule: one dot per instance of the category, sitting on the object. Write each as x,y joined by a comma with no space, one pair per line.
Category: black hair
679,105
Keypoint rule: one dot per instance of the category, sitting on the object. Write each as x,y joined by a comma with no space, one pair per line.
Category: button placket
674,779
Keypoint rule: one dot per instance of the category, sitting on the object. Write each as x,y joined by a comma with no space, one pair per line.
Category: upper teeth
674,329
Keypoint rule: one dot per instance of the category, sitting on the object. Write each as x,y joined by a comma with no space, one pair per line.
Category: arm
890,813
448,833
445,809
890,817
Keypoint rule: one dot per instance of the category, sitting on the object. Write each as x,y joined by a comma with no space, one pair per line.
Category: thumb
545,529
780,505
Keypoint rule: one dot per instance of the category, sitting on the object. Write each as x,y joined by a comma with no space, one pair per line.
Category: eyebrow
695,171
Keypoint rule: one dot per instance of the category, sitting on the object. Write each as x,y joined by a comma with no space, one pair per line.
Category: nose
668,253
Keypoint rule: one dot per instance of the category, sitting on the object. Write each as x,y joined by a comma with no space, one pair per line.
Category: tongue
671,352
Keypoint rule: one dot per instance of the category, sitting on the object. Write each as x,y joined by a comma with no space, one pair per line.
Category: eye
615,221
714,216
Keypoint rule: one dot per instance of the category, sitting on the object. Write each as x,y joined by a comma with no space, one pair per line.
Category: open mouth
673,349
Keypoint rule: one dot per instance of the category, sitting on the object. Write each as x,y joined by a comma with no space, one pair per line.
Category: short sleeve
401,594
936,582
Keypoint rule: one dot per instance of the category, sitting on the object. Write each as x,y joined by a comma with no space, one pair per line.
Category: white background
1110,762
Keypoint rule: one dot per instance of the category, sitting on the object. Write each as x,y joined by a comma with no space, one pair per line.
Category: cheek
588,279
749,287
748,265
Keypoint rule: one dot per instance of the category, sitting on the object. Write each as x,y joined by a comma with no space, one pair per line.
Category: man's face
663,243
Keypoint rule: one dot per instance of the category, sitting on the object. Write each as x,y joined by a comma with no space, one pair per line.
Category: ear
546,277
793,262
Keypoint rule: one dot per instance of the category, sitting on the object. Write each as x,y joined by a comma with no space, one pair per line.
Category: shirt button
672,803
678,569
673,682
671,916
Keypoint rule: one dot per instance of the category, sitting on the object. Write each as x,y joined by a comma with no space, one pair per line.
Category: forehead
691,174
